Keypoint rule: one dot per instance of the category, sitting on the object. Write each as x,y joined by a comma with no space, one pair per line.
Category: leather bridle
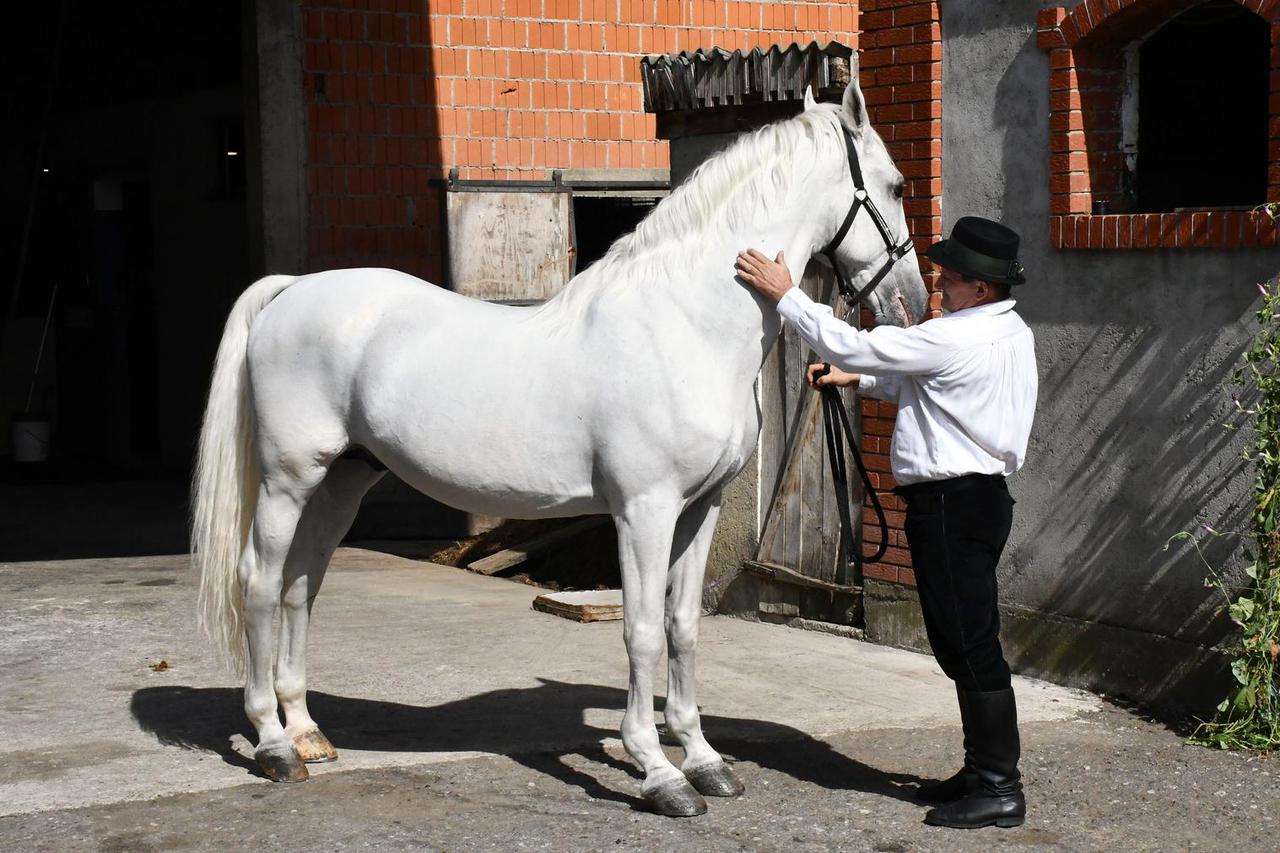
894,251
835,420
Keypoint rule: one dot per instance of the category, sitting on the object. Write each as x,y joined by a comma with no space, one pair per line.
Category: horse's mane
725,192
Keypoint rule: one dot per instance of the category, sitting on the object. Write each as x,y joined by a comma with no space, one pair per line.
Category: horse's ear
854,105
809,101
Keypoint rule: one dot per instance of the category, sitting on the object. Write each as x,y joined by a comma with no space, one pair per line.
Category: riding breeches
956,530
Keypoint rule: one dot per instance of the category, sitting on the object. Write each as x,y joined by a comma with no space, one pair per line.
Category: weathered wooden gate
799,552
509,241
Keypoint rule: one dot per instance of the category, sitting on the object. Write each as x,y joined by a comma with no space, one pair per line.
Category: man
965,385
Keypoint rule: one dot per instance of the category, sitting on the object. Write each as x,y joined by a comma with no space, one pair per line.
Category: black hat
980,248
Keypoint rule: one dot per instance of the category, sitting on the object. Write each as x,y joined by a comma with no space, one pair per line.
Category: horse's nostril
906,312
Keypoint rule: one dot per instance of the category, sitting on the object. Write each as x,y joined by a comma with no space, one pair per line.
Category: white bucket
29,439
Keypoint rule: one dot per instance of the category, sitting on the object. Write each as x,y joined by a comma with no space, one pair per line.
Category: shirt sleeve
880,387
882,351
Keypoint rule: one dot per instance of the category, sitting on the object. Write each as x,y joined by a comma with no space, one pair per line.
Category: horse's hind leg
644,550
703,766
326,519
281,499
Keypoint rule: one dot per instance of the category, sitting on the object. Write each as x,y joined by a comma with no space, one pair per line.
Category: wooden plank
597,605
799,543
510,557
510,246
782,574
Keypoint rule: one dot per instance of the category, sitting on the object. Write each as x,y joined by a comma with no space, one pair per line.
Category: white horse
630,393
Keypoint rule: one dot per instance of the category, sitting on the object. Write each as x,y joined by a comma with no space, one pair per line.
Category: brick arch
1086,164
1096,21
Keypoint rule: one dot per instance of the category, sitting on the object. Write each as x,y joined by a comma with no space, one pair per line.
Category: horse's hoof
676,798
715,780
314,748
282,764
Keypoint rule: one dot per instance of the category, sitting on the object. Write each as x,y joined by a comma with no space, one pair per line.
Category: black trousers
956,530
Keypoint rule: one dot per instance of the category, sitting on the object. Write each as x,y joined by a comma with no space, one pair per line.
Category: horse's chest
719,447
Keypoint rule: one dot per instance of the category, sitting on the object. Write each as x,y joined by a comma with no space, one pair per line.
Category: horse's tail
224,488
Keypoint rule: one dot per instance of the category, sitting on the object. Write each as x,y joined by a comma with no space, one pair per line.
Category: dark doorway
600,220
122,153
1203,110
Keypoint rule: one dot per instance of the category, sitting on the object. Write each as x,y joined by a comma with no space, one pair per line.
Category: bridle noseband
894,251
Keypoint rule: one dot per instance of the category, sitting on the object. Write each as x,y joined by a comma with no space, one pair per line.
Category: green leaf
1239,668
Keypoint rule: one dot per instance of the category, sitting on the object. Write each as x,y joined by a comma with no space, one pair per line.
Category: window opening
600,220
1203,111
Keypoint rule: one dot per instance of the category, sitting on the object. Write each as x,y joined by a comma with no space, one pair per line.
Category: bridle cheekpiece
894,251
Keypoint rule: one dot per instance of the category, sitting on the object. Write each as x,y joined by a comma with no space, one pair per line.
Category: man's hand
771,279
837,377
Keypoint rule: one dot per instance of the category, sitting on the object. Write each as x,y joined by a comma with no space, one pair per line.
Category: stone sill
1190,230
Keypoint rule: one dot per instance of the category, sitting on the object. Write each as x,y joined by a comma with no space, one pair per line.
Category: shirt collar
991,309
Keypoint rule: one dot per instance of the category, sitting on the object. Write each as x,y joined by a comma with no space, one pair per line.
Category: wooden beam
782,574
502,560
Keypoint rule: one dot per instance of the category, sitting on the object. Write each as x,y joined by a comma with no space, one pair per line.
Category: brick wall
399,91
901,75
1086,78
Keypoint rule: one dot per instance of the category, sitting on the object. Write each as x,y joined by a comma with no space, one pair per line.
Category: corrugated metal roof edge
829,48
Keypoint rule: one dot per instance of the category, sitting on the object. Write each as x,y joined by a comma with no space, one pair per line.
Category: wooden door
799,552
508,245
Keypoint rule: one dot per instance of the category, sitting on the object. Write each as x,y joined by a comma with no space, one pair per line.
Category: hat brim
939,255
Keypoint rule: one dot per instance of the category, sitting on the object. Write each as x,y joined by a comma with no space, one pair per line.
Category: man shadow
538,727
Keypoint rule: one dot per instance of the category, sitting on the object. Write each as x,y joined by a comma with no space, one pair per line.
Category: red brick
1268,232
1051,17
1233,227
880,572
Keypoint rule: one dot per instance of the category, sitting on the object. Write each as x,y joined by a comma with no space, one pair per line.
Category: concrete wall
1135,351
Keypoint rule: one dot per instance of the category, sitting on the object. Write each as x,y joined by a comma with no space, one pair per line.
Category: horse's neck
728,313
694,286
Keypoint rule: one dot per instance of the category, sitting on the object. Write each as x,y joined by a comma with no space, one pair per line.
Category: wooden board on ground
597,605
509,557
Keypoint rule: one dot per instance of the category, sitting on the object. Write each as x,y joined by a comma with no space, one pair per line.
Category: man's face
958,292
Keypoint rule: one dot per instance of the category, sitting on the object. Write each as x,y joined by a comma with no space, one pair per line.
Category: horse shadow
537,727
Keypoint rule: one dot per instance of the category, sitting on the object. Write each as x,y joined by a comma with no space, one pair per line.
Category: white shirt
965,383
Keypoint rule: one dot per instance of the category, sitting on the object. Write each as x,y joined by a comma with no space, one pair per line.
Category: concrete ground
467,721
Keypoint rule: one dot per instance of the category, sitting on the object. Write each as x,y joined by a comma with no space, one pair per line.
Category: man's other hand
770,278
836,378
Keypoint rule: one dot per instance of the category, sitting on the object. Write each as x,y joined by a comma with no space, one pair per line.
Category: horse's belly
499,436
512,476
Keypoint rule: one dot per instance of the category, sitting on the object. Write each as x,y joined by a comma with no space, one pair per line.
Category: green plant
1249,717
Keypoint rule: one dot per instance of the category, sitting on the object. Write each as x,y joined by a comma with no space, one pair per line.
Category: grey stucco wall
1135,352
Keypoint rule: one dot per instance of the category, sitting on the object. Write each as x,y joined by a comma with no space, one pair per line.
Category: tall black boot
966,779
998,800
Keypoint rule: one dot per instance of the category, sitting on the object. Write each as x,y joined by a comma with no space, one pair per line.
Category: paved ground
467,721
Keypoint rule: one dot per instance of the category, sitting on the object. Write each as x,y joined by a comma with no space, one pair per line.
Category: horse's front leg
703,766
645,530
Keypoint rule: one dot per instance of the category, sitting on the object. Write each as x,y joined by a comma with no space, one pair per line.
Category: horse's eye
899,188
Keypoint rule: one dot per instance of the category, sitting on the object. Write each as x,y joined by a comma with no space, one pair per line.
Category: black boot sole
1002,822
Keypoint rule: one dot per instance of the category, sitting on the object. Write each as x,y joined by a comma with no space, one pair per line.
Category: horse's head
875,251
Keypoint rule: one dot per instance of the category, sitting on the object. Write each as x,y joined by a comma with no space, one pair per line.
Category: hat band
983,265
